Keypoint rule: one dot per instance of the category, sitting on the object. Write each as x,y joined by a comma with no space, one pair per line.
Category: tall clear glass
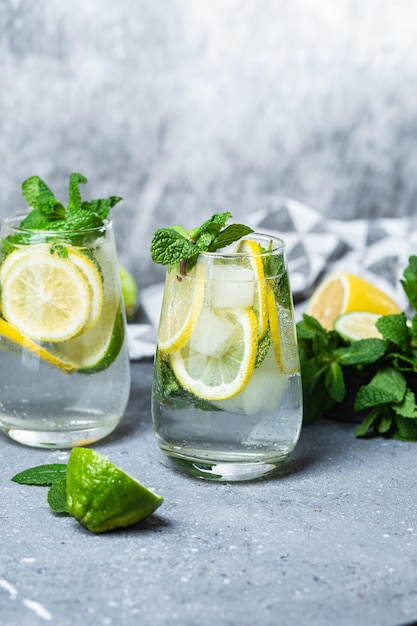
227,395
64,365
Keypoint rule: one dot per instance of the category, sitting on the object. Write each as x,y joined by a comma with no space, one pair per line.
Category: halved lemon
181,306
357,325
282,331
218,361
342,293
45,297
253,250
15,340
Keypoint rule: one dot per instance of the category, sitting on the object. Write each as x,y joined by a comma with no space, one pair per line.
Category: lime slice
101,496
253,249
218,361
182,302
15,340
96,349
44,296
357,325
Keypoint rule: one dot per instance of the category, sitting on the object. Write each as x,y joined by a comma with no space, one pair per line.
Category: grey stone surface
331,540
185,107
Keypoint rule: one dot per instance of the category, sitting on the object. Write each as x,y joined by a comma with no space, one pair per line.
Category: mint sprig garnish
372,379
50,214
174,246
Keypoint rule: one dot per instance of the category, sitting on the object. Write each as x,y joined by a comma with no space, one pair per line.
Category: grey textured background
186,107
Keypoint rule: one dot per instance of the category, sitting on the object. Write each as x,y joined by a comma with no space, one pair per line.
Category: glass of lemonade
227,395
64,365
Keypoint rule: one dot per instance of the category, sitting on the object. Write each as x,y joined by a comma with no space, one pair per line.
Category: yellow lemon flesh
101,496
343,293
182,302
253,249
16,340
218,361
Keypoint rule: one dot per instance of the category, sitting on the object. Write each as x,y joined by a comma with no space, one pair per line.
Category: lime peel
101,496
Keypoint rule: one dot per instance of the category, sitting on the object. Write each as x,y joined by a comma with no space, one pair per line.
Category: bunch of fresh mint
373,379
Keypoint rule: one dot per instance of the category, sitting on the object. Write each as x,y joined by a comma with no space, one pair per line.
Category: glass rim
7,222
278,246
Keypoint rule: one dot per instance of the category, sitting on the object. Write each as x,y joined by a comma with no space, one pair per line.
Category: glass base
233,471
59,438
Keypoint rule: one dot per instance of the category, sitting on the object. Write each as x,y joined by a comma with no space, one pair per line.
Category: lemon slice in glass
95,285
101,496
282,335
46,297
218,361
181,306
253,249
16,341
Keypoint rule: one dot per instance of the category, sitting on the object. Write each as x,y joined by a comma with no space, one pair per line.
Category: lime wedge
101,496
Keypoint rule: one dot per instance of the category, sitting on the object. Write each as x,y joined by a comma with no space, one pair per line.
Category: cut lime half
102,497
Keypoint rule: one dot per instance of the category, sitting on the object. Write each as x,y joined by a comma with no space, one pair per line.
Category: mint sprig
50,214
372,379
174,246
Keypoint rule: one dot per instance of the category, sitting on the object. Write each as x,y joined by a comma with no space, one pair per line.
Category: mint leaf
41,475
57,496
174,246
388,385
394,328
409,282
335,383
231,233
361,352
49,214
169,247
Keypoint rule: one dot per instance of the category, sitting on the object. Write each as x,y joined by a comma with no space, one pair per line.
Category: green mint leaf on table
57,496
41,475
174,246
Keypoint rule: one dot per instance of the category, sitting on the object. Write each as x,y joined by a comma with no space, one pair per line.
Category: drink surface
59,390
227,398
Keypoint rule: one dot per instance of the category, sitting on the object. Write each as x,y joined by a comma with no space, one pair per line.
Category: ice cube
212,334
231,286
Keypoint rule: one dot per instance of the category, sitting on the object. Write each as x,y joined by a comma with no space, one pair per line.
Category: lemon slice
283,338
218,361
181,306
95,285
253,249
44,296
342,293
358,325
101,496
18,340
